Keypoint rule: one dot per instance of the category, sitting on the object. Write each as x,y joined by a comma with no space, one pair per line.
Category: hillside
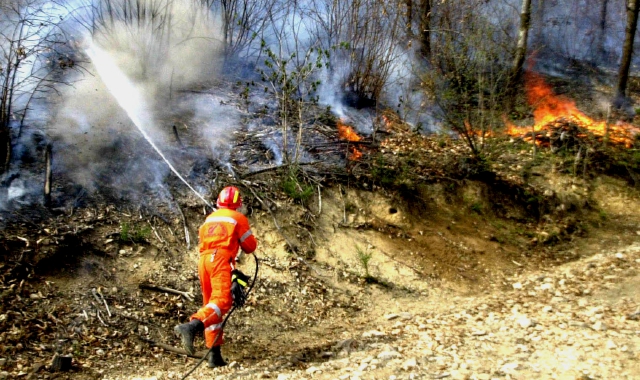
378,286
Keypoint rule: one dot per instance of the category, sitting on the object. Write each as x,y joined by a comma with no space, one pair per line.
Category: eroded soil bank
454,283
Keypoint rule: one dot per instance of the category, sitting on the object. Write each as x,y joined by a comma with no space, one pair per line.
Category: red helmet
229,198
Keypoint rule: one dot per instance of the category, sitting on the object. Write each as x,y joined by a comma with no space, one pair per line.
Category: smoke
169,47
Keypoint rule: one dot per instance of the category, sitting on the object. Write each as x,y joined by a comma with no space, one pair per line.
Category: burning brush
557,118
345,132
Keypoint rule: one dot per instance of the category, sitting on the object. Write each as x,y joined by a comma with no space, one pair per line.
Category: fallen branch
100,318
271,168
166,347
186,228
96,294
157,234
162,289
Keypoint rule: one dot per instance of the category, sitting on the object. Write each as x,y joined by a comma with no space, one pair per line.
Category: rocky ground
575,321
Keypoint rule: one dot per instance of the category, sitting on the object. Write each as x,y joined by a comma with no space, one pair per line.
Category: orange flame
345,132
550,108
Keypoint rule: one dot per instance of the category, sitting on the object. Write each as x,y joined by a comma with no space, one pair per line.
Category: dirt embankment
451,286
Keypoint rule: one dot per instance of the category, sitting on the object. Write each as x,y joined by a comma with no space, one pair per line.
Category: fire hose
224,322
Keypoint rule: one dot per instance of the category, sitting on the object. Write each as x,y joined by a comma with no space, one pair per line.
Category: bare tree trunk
521,49
409,28
5,145
603,30
627,48
47,176
539,22
425,28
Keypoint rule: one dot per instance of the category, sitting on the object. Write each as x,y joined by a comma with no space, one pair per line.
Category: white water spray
129,98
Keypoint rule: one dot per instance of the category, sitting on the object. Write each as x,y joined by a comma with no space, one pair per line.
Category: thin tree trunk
627,48
425,29
539,22
521,49
409,27
5,145
601,52
47,176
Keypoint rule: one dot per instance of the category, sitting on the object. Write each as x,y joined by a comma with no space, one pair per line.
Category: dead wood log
162,289
61,363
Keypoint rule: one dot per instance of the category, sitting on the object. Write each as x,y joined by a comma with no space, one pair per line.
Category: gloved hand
239,282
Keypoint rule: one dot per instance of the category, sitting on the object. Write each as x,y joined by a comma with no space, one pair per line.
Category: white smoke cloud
178,49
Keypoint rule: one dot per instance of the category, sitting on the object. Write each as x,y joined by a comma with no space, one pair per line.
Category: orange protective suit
223,232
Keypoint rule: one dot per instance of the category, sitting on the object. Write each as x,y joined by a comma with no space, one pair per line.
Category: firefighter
223,232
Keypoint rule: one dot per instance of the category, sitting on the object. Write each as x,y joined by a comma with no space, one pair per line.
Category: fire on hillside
345,132
554,114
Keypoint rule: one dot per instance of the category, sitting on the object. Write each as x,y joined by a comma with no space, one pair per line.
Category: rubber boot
188,332
215,358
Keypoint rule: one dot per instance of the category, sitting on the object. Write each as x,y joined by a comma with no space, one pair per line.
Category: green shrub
364,258
477,207
133,233
296,190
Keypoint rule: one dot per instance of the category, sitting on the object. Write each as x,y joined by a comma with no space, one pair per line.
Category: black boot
215,358
188,331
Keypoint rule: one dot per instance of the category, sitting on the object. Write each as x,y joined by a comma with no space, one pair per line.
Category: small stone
368,334
509,367
599,326
388,355
619,256
409,364
406,316
390,317
283,376
312,370
525,322
611,345
546,286
517,286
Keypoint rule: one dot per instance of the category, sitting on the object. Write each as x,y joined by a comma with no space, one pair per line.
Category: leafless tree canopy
455,57
33,53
